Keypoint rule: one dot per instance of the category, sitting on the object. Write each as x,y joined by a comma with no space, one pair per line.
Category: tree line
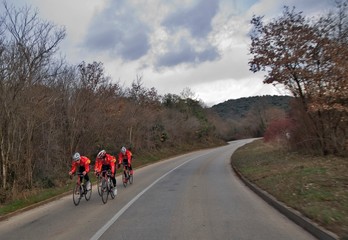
49,109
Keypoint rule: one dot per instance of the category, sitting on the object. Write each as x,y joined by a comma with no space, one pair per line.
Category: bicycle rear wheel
124,180
88,193
76,194
112,195
105,191
131,178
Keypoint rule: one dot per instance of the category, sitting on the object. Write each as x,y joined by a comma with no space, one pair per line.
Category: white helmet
101,154
76,156
123,150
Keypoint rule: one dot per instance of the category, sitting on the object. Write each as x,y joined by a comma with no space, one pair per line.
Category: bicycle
106,186
80,190
129,177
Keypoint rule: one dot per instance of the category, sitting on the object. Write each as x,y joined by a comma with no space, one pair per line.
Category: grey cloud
185,53
134,46
119,32
196,19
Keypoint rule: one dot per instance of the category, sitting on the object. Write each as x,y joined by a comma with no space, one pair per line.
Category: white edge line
103,229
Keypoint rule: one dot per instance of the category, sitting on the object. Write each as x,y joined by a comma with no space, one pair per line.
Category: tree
88,79
308,59
27,50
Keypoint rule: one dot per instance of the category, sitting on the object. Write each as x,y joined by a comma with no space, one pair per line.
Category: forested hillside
250,116
235,109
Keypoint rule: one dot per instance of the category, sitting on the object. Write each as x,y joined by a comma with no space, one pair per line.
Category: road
192,196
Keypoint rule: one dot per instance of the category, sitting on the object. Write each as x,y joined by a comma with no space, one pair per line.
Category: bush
278,130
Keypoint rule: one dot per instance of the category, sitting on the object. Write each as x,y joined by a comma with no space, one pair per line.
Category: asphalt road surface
192,196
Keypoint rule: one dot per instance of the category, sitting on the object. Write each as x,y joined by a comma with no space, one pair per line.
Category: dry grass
315,186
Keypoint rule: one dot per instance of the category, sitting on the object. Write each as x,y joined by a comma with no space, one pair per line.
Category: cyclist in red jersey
105,162
81,163
125,158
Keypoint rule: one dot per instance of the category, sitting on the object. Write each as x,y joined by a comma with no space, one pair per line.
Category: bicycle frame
126,176
106,186
79,190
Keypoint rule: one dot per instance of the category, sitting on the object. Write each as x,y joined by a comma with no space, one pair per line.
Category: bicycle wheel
88,193
99,185
111,190
124,180
76,194
131,178
105,191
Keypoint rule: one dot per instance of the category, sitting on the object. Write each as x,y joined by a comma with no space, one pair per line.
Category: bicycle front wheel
76,194
99,185
105,191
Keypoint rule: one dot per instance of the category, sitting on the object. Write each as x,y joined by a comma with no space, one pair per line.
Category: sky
172,45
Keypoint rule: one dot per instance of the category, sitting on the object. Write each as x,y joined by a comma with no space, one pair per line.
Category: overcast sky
172,44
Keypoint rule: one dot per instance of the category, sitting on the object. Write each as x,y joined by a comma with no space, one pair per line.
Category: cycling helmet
101,154
76,156
123,150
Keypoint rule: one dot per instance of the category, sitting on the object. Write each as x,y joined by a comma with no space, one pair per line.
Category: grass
31,198
315,186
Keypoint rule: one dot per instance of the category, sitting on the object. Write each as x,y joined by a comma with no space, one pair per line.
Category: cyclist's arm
87,162
120,158
112,165
97,166
73,168
129,157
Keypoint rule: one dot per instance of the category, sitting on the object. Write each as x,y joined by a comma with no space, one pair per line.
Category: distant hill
237,108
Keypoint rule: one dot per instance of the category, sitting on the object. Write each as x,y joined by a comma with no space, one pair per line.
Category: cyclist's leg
88,183
114,188
130,169
104,169
113,180
86,177
125,163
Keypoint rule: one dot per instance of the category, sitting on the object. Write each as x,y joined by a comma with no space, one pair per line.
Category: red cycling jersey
84,162
127,155
108,160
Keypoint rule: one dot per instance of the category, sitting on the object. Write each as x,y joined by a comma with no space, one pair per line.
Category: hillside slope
237,108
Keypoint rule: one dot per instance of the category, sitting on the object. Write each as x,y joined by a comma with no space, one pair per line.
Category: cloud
273,8
117,32
130,37
197,18
172,44
186,52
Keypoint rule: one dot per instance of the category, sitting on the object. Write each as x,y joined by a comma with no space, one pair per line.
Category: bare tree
29,45
309,61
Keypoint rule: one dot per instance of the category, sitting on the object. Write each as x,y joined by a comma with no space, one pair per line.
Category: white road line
102,230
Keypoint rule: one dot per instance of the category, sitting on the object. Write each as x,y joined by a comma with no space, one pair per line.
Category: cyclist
82,163
125,158
106,162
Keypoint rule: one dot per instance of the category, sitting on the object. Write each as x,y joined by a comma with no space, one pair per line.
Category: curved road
192,196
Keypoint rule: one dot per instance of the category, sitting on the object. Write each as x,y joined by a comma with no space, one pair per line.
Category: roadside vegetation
316,186
309,57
